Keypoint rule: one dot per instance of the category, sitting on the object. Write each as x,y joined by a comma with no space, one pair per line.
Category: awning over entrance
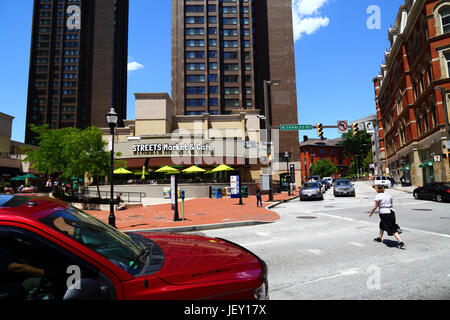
426,164
407,168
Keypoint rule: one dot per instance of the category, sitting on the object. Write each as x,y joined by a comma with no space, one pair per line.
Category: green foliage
323,168
69,152
360,147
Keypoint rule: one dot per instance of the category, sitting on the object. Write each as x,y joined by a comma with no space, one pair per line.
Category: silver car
344,187
311,190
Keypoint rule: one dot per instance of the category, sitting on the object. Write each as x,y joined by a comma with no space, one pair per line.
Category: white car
381,181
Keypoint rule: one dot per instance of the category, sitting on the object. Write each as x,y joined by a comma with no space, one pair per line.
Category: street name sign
295,127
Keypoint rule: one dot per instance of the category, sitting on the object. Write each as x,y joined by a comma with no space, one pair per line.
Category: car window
310,186
343,183
33,268
94,234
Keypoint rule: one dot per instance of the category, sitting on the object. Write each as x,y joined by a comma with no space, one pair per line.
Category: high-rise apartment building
78,64
224,50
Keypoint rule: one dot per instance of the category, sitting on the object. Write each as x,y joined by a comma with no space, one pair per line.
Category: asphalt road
323,250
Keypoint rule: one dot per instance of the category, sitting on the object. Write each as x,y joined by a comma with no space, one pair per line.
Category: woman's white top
384,203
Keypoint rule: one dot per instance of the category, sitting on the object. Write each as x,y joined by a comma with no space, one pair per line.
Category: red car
50,251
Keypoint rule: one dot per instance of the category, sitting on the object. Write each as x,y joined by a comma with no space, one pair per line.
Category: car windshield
314,185
103,239
343,183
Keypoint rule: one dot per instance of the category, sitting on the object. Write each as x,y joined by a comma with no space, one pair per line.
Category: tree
70,152
323,168
359,146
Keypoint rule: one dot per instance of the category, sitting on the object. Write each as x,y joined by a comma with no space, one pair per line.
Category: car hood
192,259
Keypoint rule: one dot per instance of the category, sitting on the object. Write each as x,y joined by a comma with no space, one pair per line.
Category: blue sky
336,54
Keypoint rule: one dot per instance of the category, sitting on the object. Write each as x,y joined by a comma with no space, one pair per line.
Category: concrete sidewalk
199,214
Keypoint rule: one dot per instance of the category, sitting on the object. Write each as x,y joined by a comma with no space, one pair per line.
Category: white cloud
307,18
133,66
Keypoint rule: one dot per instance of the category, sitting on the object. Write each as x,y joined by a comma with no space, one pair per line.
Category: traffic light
355,129
320,130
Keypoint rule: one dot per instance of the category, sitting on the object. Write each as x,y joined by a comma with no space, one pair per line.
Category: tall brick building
222,51
411,110
78,55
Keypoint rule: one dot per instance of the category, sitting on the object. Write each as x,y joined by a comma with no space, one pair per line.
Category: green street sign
295,127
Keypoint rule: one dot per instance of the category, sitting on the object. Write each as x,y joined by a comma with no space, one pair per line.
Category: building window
447,62
195,90
445,19
195,102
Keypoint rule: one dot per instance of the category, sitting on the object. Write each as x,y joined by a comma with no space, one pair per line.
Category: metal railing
127,197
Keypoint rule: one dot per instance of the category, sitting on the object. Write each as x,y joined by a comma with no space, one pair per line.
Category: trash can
219,193
244,191
227,192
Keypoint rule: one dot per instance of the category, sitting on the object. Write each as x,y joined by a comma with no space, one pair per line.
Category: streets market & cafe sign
166,148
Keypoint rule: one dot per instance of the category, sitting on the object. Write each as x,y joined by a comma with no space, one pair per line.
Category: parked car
344,187
381,181
436,191
77,257
311,190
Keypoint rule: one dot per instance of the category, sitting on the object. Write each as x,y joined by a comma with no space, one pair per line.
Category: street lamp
286,156
267,84
112,118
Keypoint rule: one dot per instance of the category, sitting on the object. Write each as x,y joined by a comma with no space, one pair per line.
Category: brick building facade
314,150
412,114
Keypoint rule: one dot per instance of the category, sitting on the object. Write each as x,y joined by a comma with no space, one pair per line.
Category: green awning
426,164
407,168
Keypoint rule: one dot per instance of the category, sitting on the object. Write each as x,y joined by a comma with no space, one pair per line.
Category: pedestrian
258,197
120,203
384,203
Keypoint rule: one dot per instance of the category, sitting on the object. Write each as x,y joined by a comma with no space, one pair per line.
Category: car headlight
261,293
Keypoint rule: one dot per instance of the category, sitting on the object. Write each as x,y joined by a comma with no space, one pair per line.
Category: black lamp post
286,156
112,118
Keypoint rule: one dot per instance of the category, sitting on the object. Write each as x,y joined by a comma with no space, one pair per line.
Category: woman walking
384,204
258,197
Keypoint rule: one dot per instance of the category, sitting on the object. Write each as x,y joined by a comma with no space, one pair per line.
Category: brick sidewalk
197,212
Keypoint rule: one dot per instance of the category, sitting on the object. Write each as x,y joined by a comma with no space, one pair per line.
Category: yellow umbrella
122,171
194,169
168,170
221,168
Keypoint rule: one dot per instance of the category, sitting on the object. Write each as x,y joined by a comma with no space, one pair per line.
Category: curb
282,202
203,227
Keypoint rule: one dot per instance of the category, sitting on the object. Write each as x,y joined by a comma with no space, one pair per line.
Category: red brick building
314,150
412,115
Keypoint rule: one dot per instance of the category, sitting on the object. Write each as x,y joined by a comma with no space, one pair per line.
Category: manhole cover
135,217
307,218
160,218
199,214
445,218
329,206
426,210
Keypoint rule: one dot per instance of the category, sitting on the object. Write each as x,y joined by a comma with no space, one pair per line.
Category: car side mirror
88,289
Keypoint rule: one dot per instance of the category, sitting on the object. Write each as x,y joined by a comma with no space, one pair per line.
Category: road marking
317,252
356,244
263,234
368,222
347,272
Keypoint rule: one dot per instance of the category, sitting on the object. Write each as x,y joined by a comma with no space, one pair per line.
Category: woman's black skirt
388,223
